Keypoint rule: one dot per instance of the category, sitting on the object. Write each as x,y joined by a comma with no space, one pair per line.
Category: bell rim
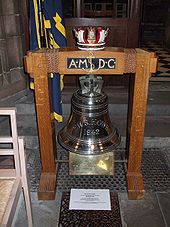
107,149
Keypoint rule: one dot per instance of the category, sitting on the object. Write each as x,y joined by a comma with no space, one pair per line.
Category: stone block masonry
12,47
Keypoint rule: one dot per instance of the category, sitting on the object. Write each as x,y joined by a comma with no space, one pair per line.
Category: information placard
90,199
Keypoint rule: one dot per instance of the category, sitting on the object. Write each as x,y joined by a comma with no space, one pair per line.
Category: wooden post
136,123
46,131
40,63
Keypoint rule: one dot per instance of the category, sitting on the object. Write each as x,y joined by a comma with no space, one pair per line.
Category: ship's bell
89,130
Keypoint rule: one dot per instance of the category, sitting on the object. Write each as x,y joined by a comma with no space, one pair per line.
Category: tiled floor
163,58
152,211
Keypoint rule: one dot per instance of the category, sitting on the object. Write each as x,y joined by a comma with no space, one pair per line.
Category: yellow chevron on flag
53,44
59,25
47,23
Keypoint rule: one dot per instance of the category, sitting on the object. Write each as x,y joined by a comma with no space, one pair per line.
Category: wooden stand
139,63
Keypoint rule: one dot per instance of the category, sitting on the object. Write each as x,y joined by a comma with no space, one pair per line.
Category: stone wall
12,46
155,13
167,31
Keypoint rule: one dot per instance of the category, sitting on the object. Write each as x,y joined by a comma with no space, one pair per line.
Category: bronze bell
89,133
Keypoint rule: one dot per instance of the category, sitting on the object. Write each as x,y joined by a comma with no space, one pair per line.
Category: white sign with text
90,199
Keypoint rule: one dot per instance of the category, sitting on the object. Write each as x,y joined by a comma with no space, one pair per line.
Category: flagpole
40,14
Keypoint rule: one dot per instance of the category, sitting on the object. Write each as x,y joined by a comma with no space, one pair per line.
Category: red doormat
90,218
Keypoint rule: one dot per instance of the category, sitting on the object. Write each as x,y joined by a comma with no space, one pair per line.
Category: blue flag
49,15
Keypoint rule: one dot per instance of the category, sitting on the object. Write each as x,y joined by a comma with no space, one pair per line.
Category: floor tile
163,58
164,202
141,213
45,213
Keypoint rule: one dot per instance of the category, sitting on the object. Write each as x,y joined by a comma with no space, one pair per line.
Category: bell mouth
89,146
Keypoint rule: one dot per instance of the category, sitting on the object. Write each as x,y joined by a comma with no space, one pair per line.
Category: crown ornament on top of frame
91,38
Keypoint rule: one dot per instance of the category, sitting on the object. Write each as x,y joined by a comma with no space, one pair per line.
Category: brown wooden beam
47,186
136,124
46,129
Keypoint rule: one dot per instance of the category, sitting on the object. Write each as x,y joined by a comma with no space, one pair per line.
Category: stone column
12,44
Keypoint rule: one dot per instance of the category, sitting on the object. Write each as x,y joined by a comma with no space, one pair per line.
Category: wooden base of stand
47,186
135,186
